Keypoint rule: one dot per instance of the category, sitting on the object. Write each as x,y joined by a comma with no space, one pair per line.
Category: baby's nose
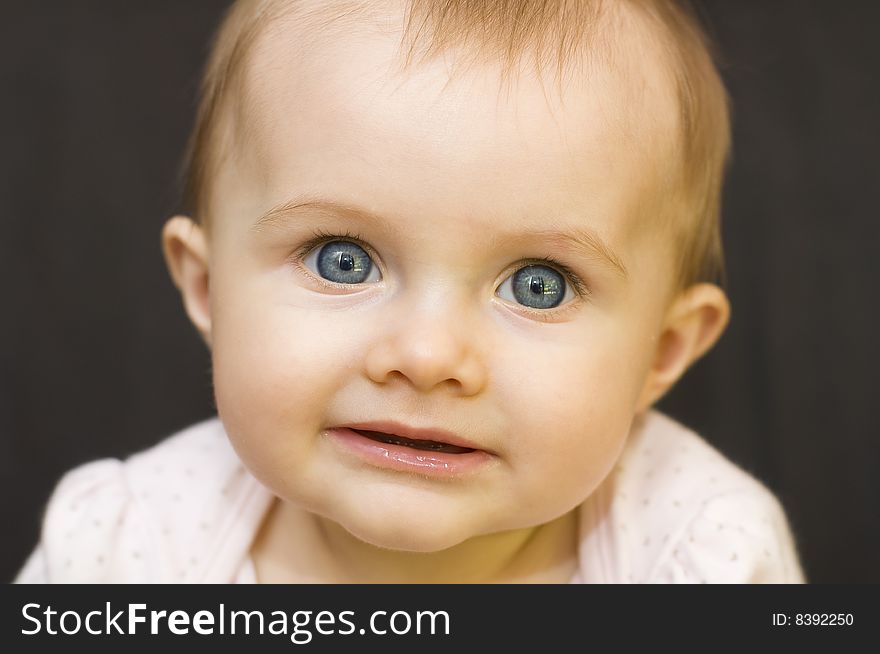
429,345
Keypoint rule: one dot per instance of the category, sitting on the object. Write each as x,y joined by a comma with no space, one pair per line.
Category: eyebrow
582,240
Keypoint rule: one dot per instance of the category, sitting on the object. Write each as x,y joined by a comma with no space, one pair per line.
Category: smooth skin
451,183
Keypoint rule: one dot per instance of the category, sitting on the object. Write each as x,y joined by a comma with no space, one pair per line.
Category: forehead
330,111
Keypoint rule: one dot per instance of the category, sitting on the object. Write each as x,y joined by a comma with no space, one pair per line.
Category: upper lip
415,433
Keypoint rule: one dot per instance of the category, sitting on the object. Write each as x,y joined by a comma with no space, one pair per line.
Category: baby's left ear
694,322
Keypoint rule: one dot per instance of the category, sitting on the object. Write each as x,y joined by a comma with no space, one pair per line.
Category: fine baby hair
446,256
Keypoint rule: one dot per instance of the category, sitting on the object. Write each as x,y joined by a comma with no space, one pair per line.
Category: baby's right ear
186,254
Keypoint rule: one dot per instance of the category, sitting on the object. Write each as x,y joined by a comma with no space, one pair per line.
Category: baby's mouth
431,446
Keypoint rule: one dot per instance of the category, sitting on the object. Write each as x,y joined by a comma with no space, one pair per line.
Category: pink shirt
673,510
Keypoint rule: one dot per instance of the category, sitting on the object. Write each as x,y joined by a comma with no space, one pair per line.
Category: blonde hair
556,31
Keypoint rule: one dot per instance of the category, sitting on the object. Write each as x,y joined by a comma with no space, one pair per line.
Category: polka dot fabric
183,511
673,510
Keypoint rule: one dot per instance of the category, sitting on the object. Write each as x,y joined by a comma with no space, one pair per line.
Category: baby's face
433,302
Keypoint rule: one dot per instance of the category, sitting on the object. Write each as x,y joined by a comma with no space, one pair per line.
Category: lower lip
408,459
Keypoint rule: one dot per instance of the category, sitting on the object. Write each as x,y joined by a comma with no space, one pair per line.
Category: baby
446,255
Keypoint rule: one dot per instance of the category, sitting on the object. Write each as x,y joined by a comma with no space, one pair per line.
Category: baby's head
498,219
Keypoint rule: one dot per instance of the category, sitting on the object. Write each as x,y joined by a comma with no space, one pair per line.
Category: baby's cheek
572,426
264,402
276,371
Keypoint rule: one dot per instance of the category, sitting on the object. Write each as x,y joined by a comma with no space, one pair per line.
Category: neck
543,554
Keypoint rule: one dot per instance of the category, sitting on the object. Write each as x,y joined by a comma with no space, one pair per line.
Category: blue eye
536,286
342,262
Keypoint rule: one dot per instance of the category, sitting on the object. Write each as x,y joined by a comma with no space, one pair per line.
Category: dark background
97,358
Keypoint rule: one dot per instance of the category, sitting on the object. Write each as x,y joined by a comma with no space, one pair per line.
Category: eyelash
320,236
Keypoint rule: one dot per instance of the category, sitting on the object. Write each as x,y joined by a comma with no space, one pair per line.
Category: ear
186,255
694,321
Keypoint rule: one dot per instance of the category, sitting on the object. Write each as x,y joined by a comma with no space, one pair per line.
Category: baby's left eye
536,286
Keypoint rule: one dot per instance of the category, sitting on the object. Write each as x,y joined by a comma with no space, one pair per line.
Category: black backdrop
97,359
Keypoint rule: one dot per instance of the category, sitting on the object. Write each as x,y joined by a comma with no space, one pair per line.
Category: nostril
426,365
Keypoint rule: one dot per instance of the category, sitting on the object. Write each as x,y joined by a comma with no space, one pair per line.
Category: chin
419,544
421,534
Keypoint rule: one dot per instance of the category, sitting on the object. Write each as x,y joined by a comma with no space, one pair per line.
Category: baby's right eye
342,262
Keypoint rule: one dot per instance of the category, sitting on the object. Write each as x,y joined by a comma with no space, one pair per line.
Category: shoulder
677,510
159,515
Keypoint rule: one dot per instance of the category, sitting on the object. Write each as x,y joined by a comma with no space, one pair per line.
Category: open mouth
431,446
